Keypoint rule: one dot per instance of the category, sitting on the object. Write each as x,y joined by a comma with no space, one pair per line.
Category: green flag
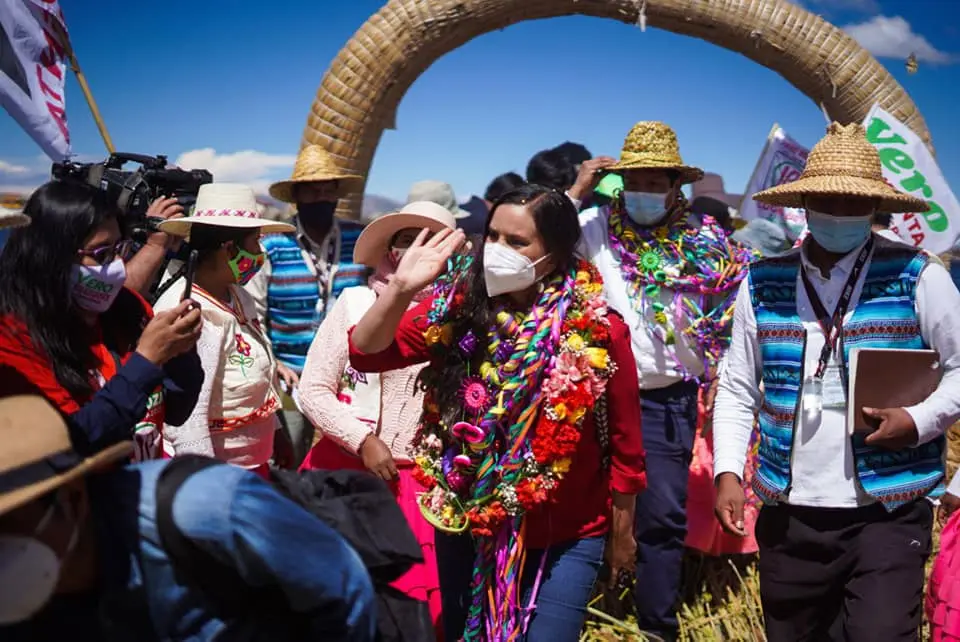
609,185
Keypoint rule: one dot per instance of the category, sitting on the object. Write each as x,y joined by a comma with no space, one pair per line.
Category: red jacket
581,503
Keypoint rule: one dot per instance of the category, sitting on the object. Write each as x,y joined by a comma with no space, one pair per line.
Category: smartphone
189,274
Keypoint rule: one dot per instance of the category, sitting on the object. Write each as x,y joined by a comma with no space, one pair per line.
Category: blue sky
229,86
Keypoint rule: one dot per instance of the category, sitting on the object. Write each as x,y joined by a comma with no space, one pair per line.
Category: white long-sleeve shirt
656,368
822,468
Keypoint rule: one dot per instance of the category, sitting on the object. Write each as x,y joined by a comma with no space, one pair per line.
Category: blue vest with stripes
884,317
296,304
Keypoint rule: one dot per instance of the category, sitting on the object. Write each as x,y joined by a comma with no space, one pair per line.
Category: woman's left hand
621,555
288,377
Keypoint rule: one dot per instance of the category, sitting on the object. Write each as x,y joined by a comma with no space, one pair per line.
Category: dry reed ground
721,595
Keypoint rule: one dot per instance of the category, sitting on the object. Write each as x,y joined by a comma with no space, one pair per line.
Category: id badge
812,395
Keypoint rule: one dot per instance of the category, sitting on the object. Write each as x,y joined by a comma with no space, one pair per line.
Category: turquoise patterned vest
885,317
296,306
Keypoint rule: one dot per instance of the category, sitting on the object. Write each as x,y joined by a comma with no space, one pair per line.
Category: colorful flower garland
523,413
694,265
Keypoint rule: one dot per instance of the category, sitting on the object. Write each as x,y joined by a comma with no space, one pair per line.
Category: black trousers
843,574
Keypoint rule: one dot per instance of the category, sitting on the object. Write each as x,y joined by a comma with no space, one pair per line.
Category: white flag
33,51
910,167
781,161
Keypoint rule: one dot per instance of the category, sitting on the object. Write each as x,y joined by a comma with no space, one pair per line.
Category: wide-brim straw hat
225,205
315,165
36,456
653,145
843,163
374,240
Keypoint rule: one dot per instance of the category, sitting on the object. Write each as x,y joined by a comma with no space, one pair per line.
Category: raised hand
425,260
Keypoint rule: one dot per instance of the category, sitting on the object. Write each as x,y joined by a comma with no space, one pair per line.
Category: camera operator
92,346
144,266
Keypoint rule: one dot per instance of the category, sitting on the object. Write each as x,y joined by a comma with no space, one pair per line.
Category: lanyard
833,325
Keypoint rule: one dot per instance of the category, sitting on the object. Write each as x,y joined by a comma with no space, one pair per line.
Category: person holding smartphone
91,345
235,419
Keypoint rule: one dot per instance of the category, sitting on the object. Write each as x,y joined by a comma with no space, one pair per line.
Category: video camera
133,191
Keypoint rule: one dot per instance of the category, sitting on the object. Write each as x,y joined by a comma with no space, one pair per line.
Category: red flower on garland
531,492
422,478
484,519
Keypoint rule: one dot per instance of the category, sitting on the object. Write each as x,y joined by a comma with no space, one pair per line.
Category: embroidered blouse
235,416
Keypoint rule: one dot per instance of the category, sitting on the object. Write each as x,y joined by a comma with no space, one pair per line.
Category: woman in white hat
235,416
369,420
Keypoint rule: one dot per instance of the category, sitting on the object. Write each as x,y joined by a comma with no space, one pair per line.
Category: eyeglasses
106,253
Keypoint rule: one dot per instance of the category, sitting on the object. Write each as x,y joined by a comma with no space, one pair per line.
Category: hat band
833,172
218,213
658,158
38,471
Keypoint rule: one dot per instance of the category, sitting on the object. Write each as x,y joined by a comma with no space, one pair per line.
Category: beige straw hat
374,240
653,145
315,165
225,205
36,456
843,163
437,192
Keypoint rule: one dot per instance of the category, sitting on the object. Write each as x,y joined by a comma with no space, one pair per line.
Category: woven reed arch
361,90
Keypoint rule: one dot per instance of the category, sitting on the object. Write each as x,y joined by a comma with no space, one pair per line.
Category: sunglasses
106,253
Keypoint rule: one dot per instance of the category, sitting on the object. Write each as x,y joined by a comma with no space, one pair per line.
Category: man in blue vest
845,528
304,272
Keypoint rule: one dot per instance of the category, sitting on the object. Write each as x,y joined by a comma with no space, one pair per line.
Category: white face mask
95,287
32,567
645,208
505,270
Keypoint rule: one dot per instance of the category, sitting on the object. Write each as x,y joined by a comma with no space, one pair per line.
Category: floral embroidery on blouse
242,357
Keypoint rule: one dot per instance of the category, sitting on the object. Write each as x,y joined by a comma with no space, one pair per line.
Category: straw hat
36,456
843,163
374,240
11,210
437,192
653,145
315,165
225,205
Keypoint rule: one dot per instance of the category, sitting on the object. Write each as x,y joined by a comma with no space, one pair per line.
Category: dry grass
722,604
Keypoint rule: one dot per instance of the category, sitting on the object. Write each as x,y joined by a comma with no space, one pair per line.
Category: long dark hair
557,223
35,276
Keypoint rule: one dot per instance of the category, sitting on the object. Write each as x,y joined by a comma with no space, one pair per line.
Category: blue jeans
669,417
568,578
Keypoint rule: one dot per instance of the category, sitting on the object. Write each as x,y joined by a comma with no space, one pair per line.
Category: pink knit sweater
401,402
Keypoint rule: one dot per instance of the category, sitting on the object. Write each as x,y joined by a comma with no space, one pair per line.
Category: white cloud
257,169
894,38
866,6
7,167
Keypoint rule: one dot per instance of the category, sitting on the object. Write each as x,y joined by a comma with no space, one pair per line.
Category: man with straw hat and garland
845,528
92,549
305,271
672,277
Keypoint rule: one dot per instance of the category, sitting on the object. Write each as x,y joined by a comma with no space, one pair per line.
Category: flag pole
766,146
85,88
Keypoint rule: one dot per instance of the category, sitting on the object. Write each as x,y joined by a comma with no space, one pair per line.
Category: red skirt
421,582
